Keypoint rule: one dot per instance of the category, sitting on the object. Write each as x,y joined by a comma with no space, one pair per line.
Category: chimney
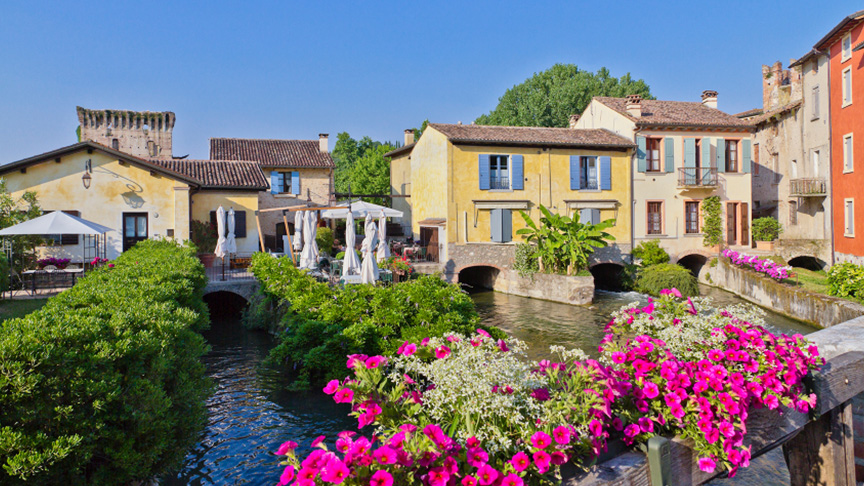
634,105
573,120
709,98
322,143
409,136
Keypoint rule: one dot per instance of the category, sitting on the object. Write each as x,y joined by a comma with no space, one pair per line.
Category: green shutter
721,155
670,153
641,147
689,152
706,153
745,156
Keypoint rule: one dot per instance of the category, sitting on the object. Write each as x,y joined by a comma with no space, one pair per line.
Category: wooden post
822,453
288,234
260,235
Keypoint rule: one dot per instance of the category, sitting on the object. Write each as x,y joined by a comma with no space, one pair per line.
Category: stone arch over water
693,262
808,262
225,303
479,276
607,276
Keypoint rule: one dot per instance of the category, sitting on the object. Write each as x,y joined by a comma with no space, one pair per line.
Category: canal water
251,411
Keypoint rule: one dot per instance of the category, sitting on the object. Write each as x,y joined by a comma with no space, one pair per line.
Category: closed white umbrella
383,247
298,231
369,267
230,240
309,257
351,264
220,230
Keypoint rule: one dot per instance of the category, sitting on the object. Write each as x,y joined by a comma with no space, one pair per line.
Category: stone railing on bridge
818,450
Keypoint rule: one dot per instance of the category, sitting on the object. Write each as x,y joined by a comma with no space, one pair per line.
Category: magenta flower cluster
765,266
57,262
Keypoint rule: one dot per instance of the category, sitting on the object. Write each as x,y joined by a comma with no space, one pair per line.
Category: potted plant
58,263
204,236
400,268
765,231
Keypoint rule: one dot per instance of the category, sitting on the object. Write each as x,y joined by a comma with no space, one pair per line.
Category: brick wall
314,184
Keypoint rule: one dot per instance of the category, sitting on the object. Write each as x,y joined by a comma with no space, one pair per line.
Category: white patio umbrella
351,264
298,231
369,267
360,209
230,240
220,230
383,248
309,256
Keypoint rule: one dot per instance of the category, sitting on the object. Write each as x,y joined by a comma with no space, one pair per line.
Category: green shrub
324,240
651,280
104,384
651,253
712,221
321,324
846,280
525,262
766,229
204,235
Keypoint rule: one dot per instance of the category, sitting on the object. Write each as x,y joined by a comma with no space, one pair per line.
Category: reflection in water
252,412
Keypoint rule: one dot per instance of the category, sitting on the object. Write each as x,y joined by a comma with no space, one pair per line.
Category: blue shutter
295,183
706,153
721,155
745,156
483,166
595,216
574,173
669,150
689,152
506,225
274,182
641,147
518,178
495,225
585,216
605,173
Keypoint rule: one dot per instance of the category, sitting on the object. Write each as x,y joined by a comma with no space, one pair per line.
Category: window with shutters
652,155
589,173
655,217
847,86
814,103
691,217
499,172
731,156
848,161
239,223
793,213
847,48
283,182
849,217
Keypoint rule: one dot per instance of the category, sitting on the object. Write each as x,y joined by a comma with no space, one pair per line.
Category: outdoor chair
422,254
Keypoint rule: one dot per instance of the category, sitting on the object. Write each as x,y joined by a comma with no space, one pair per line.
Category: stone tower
143,134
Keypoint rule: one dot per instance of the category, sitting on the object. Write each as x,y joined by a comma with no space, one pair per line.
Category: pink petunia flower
512,480
561,435
520,461
487,475
287,476
286,447
332,387
381,478
442,352
541,440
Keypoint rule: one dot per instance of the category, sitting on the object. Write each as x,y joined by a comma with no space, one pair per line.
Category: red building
845,48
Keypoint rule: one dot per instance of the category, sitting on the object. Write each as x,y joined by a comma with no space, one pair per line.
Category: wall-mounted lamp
86,178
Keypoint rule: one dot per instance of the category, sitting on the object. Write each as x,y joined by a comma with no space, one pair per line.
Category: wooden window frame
698,204
729,153
659,161
662,230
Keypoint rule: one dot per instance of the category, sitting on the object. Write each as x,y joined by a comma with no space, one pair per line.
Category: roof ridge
512,126
267,139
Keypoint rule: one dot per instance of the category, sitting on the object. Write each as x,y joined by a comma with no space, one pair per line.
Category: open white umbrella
369,267
230,240
351,264
383,248
220,230
309,257
298,231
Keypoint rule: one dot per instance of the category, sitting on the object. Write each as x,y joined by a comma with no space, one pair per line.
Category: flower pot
765,245
207,259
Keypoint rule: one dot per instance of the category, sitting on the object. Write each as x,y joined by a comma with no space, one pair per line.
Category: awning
492,204
592,204
56,223
433,222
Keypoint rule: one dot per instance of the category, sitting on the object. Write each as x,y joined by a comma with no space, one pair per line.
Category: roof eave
511,143
838,28
690,126
234,188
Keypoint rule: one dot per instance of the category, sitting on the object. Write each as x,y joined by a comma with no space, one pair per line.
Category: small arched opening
808,263
225,305
694,263
608,276
478,277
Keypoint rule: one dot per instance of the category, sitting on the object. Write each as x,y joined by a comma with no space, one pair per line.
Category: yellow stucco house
467,183
138,197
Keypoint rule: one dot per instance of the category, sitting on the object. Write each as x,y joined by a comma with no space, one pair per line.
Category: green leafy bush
564,244
204,236
525,262
104,384
651,280
321,324
712,221
846,280
766,229
324,239
651,253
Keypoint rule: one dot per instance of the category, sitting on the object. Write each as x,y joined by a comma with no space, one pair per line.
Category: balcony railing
697,177
499,183
808,187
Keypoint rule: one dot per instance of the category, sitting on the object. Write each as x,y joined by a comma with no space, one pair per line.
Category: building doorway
135,229
731,223
429,243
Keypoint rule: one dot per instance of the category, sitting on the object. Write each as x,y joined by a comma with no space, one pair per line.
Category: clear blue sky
295,69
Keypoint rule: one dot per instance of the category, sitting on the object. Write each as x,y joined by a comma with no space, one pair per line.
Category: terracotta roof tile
777,111
676,113
750,113
541,136
218,174
272,153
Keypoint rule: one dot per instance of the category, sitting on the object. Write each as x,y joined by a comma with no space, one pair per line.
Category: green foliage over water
651,280
104,384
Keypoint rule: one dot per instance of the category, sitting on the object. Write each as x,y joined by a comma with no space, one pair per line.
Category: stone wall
465,255
820,310
791,248
557,288
143,134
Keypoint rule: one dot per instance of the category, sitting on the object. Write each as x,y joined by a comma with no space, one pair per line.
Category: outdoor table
35,276
410,251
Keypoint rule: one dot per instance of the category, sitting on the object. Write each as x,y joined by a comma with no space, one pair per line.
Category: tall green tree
346,153
548,98
371,174
17,210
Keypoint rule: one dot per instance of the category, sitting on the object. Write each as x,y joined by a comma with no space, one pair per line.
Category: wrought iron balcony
499,183
808,188
697,177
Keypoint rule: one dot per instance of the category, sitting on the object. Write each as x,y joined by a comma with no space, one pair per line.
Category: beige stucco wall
430,178
314,183
114,189
400,184
205,201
